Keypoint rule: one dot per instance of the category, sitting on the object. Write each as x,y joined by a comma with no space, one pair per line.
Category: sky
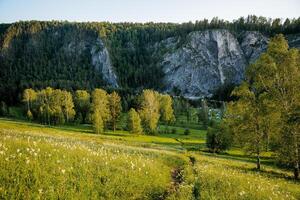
144,10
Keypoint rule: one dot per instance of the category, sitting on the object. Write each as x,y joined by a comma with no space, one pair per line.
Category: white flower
63,171
242,193
27,161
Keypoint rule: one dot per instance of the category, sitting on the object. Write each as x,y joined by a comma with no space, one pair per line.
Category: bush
218,138
187,131
174,131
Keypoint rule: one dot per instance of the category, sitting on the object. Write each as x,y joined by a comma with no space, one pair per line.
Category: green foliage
187,131
29,95
278,73
134,122
39,54
203,113
3,109
100,109
29,115
49,106
115,108
218,137
268,103
82,104
149,110
166,109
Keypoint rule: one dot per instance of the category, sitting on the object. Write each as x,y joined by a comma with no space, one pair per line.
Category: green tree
67,105
218,137
100,109
203,113
98,122
277,72
29,95
82,104
134,122
166,109
43,105
115,108
249,119
29,115
149,111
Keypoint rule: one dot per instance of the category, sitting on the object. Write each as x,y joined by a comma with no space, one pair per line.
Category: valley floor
70,162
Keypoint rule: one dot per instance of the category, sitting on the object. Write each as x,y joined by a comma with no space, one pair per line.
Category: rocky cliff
208,60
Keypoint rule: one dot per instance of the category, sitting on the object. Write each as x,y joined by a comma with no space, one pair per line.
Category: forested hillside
120,55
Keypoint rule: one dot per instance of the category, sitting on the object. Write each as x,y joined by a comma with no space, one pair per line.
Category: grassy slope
120,164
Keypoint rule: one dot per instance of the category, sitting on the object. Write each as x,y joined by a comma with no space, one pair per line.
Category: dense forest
45,60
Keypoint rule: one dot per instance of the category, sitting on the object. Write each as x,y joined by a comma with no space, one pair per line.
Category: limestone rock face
99,56
206,60
253,44
101,61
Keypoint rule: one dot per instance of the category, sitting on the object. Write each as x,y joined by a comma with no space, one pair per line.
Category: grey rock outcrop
101,61
206,61
253,43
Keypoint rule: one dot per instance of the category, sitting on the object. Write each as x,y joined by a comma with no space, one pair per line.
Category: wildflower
40,191
27,161
132,165
242,193
63,171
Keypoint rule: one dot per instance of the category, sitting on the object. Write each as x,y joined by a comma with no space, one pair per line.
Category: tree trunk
257,161
296,170
114,125
296,162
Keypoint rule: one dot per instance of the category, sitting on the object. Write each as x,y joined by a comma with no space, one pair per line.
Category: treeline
266,115
54,106
35,54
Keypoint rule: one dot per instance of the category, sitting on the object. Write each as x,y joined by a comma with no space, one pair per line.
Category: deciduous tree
149,110
100,109
115,108
82,103
134,122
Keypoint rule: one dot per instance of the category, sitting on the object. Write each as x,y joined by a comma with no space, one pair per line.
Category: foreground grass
226,178
70,162
44,163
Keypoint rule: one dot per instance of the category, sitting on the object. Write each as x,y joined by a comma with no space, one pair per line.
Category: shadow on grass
266,161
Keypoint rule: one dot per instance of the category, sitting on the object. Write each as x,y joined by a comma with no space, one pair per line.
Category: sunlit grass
43,166
222,178
71,162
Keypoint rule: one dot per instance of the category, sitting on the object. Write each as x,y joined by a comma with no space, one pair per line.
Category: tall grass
221,178
33,166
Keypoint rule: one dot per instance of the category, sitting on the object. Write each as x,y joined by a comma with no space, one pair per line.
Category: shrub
174,131
218,138
187,131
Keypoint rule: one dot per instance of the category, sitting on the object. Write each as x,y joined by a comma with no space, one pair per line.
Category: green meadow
71,162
